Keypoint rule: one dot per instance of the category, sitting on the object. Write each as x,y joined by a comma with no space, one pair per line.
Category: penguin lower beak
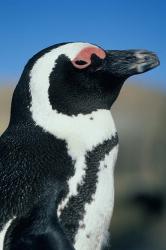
130,62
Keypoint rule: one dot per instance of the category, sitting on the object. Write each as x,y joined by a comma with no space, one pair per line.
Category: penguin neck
81,132
20,112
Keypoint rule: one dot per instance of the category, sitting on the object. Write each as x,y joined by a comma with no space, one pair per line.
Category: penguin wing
23,196
39,229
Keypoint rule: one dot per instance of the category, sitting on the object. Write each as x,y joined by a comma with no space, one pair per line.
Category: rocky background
139,219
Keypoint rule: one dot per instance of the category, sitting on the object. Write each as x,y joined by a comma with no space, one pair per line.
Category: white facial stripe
39,82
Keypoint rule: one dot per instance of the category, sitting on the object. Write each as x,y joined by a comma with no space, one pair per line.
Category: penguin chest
86,210
93,227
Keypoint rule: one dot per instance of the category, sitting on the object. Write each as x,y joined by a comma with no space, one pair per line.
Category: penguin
57,155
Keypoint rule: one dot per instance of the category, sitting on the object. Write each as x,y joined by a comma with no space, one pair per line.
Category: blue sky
28,26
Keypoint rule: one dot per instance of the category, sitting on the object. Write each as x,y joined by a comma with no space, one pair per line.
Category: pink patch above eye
83,59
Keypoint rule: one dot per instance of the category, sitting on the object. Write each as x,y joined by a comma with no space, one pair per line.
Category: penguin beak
125,63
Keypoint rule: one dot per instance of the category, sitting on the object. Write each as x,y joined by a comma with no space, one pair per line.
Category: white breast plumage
93,229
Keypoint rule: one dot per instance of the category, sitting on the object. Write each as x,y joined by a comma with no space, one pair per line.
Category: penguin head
74,78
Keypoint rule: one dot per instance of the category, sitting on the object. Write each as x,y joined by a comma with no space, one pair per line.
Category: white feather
3,232
99,212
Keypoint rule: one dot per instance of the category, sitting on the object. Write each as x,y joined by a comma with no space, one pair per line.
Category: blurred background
139,219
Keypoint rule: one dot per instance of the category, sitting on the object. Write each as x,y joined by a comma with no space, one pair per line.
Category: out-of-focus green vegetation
139,219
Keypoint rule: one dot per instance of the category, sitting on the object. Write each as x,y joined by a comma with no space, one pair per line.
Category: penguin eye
83,58
80,62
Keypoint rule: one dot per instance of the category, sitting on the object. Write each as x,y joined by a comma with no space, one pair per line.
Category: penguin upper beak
130,62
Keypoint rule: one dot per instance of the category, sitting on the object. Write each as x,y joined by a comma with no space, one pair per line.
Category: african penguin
58,153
